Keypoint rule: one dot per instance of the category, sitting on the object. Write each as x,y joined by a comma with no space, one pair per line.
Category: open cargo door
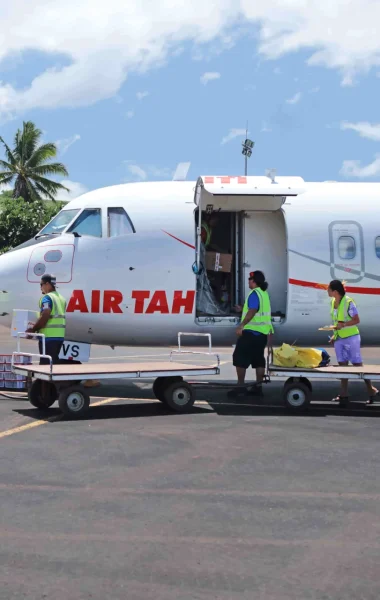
236,194
246,193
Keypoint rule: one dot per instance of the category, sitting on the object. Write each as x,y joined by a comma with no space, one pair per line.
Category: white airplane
128,258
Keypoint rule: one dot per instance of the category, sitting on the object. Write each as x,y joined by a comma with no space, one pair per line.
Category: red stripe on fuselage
178,240
323,286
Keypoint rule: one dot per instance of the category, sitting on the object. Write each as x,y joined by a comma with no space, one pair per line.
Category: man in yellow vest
255,327
346,338
52,321
207,226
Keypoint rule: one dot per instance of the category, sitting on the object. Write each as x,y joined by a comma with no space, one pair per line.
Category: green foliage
27,166
21,220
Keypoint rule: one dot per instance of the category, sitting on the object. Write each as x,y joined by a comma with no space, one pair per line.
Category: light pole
247,150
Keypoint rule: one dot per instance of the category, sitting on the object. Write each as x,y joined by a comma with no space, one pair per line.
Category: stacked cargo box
9,380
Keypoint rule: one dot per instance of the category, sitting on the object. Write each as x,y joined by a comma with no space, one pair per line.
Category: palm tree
28,164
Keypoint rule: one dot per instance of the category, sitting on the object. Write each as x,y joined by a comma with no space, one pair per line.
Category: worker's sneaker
255,390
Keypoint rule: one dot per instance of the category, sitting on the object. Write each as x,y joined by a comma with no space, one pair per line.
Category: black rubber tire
297,396
161,383
304,380
179,396
35,394
74,401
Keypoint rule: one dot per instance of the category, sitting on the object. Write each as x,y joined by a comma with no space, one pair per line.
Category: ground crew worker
346,338
206,229
52,321
255,327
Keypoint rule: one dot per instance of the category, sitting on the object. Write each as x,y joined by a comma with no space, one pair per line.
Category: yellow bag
293,356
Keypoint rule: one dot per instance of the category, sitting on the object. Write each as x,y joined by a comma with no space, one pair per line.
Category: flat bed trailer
297,390
63,382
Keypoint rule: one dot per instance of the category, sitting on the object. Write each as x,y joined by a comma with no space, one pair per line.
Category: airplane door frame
338,229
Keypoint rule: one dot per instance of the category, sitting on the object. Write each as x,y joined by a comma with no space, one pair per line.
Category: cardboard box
22,320
215,261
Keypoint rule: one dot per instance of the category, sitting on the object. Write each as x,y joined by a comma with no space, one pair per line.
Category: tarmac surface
235,500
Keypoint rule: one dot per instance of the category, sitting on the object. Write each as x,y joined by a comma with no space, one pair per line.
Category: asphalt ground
235,500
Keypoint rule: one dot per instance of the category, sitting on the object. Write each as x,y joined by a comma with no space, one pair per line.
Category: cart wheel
179,396
304,380
297,396
42,396
74,400
160,384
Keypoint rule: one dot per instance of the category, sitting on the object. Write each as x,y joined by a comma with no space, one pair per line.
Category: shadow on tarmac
130,410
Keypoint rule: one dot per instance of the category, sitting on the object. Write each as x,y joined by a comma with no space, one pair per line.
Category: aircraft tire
297,396
179,396
74,401
160,384
35,394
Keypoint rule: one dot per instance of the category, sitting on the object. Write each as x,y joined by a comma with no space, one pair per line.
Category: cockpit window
89,222
119,222
60,222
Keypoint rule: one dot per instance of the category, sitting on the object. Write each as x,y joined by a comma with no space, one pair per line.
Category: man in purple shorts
345,317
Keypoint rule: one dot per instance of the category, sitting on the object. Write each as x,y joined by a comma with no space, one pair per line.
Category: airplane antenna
247,149
181,171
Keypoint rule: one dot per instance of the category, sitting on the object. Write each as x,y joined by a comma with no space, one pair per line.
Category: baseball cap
49,279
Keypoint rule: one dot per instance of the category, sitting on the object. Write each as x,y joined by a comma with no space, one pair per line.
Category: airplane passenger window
60,222
89,222
119,222
346,247
377,246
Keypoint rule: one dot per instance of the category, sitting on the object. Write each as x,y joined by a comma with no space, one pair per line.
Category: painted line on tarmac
22,428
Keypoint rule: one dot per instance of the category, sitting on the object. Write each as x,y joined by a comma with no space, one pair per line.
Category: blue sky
129,93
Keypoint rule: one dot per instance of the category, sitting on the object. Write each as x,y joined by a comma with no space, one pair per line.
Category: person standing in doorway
255,327
52,321
346,338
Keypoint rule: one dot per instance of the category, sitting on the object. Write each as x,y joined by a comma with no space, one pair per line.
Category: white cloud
295,99
130,114
64,145
233,133
209,76
147,172
141,95
137,172
116,38
353,168
315,90
75,189
364,129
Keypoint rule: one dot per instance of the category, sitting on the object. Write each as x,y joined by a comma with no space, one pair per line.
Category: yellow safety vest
341,314
56,325
262,321
208,233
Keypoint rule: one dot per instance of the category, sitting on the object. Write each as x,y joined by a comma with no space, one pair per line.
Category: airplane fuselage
139,287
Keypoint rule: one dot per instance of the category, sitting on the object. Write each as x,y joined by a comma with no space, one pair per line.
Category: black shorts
52,348
249,351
